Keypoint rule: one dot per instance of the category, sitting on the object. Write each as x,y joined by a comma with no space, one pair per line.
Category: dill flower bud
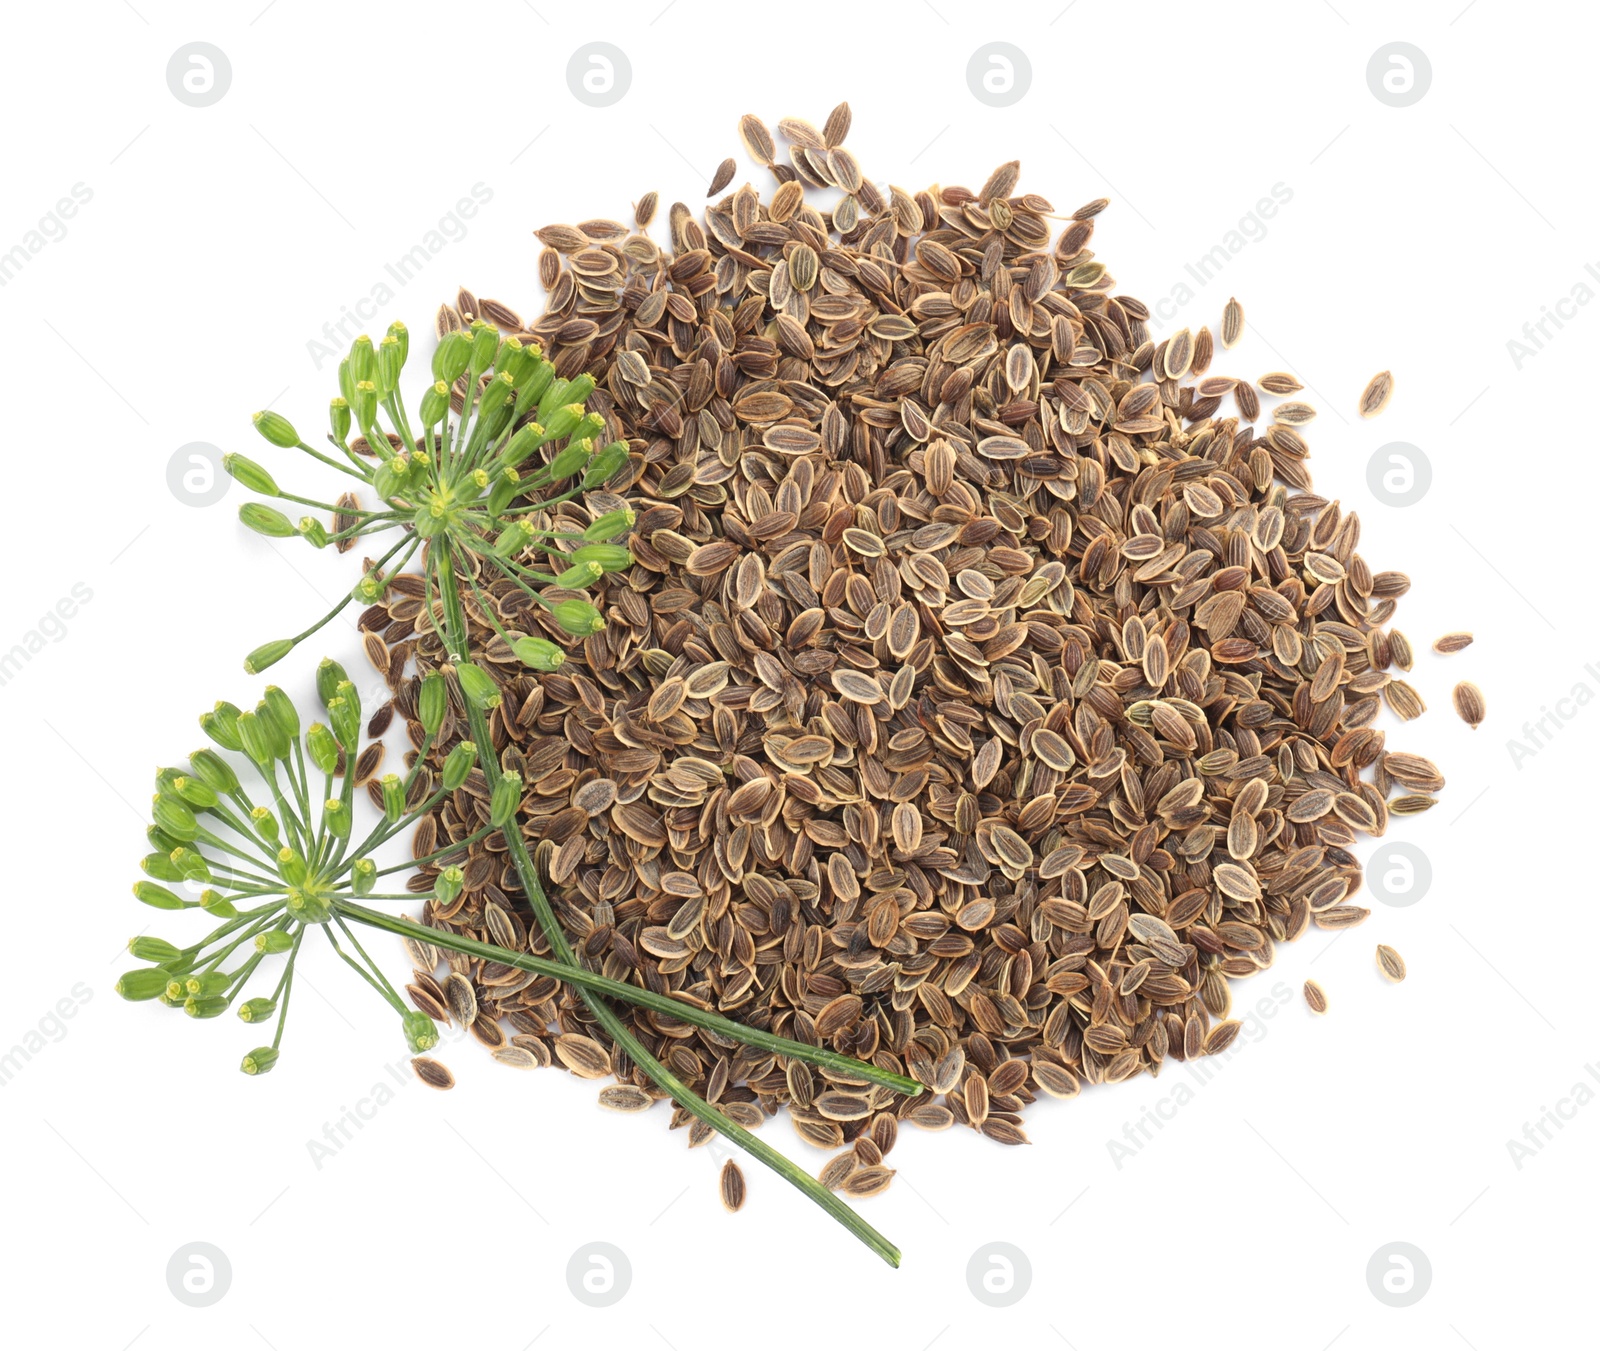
221,724
214,771
563,421
363,876
504,799
390,360
606,557
161,867
432,700
402,335
205,1006
539,653
336,816
259,1061
278,430
252,475
507,483
485,346
457,765
447,886
365,407
330,675
363,359
605,464
146,982
274,940
339,419
256,1010
147,948
257,738
477,686
313,532
280,707
570,459
265,822
265,520
195,792
172,814
420,1032
577,617
450,357
612,524
394,797
216,904
435,401
207,984
268,654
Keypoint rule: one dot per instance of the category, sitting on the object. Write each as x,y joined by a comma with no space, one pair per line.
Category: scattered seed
1316,999
1232,328
1468,700
731,1186
432,1073
1391,963
1375,397
1452,642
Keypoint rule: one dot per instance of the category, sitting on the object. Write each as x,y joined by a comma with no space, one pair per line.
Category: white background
218,242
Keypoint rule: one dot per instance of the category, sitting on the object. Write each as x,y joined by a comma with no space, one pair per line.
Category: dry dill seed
1452,642
1375,397
1316,998
432,1073
985,697
722,177
1391,963
1468,701
731,1186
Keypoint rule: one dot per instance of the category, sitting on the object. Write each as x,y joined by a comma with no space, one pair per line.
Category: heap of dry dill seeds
990,688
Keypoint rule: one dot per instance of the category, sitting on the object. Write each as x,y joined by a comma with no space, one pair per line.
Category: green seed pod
313,532
457,765
222,725
577,617
592,426
569,460
514,360
609,526
363,876
259,1061
512,540
274,940
447,886
451,356
207,984
162,842
390,360
563,421
336,815
205,1006
365,408
363,359
485,346
504,799
432,700
322,748
160,867
195,792
435,401
278,430
344,712
477,687
402,335
268,654
251,474
148,949
256,1010
192,867
330,675
279,737
214,771
579,388
604,465
265,822
496,408
282,710
339,419
534,386
347,381
291,866
607,557
430,518
370,588
420,1033
175,992
257,737
524,441
394,797
507,483
268,521
578,576
539,653
147,982
214,903
172,814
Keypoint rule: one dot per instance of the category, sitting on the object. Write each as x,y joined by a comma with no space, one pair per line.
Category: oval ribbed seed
432,1073
1053,750
582,1055
1452,642
1232,327
1375,397
1468,701
461,998
1316,999
857,688
625,1098
1391,963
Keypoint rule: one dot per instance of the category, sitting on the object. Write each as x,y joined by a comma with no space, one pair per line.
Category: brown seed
432,1073
1232,328
1375,397
1468,701
1391,963
722,177
731,1186
1316,999
1452,642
